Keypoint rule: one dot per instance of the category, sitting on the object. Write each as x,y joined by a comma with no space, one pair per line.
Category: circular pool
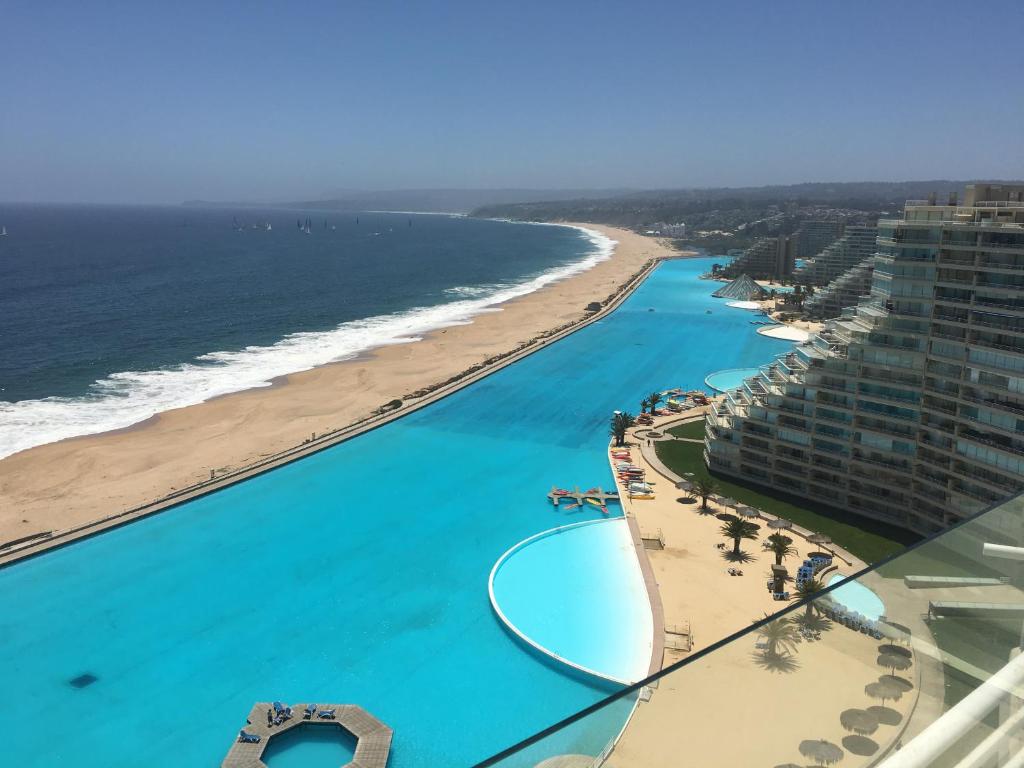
577,594
730,378
854,596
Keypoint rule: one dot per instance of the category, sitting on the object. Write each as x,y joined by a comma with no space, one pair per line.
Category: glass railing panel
916,662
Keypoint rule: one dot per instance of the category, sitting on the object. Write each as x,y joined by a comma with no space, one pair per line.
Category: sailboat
307,230
267,227
3,231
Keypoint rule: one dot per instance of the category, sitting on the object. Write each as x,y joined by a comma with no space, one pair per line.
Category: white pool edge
522,635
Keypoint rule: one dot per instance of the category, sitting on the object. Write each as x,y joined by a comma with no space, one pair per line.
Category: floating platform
578,496
373,738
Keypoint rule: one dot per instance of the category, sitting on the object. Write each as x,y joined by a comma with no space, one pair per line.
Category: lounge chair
248,738
278,707
309,711
325,714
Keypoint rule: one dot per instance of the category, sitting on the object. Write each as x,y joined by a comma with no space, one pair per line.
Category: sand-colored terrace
775,701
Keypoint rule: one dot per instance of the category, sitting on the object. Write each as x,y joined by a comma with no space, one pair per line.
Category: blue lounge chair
248,738
325,714
278,707
310,711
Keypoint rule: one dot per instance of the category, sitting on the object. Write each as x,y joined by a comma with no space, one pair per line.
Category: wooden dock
373,738
578,496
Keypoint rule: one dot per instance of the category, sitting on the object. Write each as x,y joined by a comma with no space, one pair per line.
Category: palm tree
644,404
781,636
738,529
653,399
808,589
704,487
781,547
621,421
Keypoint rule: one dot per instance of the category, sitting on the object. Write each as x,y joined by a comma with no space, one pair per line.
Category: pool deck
373,737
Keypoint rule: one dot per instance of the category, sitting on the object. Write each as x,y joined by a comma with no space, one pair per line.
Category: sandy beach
73,482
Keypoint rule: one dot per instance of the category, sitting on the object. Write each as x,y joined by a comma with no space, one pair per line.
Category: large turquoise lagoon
356,575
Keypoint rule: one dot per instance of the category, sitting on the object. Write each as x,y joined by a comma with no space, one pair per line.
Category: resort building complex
844,291
850,250
909,408
775,257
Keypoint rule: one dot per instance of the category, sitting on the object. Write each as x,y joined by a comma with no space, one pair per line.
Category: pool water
723,381
579,594
357,575
311,745
856,597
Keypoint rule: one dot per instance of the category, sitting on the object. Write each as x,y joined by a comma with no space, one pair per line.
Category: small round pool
854,596
310,745
730,378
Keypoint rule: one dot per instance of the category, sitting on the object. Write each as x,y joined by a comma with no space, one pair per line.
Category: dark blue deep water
109,314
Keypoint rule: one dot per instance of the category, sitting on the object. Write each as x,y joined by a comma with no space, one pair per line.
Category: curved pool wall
358,574
576,593
854,596
723,381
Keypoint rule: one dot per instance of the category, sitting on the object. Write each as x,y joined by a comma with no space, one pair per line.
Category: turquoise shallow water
722,381
579,594
324,581
856,597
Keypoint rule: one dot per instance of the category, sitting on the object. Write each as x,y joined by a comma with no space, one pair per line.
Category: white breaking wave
127,398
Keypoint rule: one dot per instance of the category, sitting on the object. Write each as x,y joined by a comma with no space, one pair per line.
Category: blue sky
147,102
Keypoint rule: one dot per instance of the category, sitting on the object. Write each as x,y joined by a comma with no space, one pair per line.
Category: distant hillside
641,209
422,200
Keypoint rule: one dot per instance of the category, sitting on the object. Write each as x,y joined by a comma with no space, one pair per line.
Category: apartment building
909,408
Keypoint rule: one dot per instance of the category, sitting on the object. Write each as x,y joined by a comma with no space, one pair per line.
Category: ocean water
358,575
110,315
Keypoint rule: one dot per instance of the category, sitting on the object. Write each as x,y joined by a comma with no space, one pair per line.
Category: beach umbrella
889,648
779,524
860,745
819,538
899,682
859,721
821,752
684,485
884,690
885,715
894,661
726,502
744,511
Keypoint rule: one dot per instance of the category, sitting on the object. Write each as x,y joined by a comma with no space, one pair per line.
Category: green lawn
869,540
693,430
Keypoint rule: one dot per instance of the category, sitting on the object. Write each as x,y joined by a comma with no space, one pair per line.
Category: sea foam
129,397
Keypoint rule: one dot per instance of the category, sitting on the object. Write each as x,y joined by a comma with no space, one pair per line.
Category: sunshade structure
743,288
779,524
821,752
859,721
745,511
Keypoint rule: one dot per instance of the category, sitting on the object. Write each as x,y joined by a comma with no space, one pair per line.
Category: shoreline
41,477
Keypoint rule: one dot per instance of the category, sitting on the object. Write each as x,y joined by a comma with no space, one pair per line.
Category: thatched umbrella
860,745
885,715
748,512
894,649
684,485
779,524
725,501
894,662
884,691
821,752
859,721
821,540
901,683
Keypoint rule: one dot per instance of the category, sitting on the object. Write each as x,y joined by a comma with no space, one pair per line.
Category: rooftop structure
742,288
909,408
